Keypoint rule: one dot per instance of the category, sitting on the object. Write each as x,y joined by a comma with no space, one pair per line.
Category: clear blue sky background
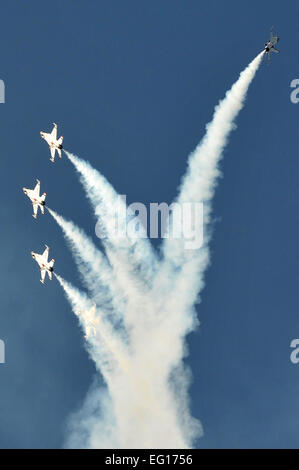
132,85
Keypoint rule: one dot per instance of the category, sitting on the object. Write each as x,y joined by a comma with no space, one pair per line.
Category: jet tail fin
51,264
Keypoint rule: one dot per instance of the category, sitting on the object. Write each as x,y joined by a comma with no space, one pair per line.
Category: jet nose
32,254
24,189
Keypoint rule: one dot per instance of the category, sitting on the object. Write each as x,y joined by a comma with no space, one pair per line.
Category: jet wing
54,132
37,187
46,254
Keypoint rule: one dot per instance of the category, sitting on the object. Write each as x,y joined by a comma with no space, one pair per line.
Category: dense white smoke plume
140,355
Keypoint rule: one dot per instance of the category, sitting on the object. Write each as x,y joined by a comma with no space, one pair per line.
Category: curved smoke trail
93,266
112,215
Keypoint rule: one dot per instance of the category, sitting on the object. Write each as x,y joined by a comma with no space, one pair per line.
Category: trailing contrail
112,214
181,273
132,259
147,403
200,181
93,266
106,348
111,289
90,260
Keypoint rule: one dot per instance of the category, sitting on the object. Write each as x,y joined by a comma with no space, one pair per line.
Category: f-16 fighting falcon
269,45
90,321
52,141
37,200
44,264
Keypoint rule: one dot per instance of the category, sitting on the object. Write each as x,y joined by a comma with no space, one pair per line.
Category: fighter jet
37,200
44,264
52,141
90,321
269,45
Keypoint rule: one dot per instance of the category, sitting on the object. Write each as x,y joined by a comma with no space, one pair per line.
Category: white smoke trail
132,259
88,257
150,398
105,347
94,268
80,303
200,180
180,278
110,288
112,213
199,185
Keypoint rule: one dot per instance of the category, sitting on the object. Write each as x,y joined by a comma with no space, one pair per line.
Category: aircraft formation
38,201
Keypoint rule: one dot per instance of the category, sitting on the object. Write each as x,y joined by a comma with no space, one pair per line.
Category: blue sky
132,85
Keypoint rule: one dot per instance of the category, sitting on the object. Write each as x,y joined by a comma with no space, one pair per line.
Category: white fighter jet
45,265
37,200
53,142
90,321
